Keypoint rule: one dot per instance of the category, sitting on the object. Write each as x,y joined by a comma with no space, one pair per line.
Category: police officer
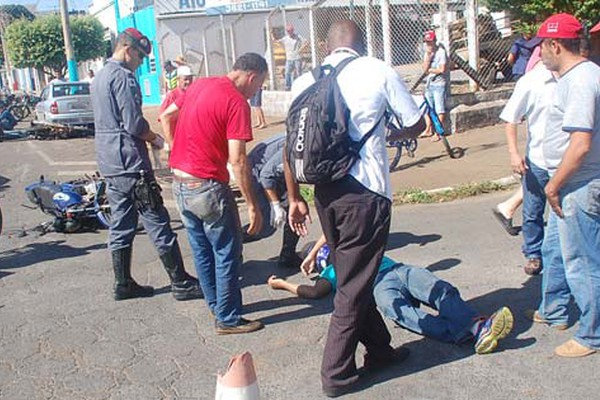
122,155
268,181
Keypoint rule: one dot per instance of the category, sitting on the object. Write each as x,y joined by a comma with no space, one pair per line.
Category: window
70,90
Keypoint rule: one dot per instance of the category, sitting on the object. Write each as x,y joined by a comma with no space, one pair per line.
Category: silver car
66,103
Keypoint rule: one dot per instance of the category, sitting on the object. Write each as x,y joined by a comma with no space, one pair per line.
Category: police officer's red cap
560,26
140,41
596,28
429,36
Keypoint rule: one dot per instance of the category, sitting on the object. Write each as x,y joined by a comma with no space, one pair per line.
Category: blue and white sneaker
496,327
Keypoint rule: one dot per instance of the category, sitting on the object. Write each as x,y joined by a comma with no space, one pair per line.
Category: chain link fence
393,31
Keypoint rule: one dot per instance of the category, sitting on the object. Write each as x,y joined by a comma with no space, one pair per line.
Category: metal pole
232,37
369,29
205,54
444,23
472,39
224,34
271,60
7,65
313,39
71,62
387,37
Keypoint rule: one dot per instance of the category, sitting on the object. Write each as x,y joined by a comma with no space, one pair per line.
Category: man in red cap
595,44
435,65
121,138
571,148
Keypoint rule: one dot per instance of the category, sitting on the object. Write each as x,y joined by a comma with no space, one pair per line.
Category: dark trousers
356,223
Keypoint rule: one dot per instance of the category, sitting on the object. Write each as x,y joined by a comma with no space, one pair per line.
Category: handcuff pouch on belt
147,192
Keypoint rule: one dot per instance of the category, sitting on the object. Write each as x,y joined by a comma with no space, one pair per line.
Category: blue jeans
211,219
400,290
571,257
534,203
293,69
436,97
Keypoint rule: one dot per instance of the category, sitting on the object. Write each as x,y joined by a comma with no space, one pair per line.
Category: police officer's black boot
125,286
183,285
288,257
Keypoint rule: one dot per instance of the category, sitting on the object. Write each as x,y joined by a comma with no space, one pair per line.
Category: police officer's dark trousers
125,211
356,223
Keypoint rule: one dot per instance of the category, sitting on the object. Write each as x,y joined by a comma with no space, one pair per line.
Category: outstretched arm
320,289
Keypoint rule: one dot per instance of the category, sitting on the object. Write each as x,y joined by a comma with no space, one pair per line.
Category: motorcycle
77,205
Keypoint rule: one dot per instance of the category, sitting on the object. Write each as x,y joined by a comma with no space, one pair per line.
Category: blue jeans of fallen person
571,257
293,69
534,204
210,216
399,291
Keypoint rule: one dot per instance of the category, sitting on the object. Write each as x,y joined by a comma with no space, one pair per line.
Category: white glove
158,142
278,215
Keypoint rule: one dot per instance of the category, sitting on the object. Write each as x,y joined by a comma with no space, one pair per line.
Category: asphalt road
63,337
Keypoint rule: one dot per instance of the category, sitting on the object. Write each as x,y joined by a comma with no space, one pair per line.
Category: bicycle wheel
394,151
18,113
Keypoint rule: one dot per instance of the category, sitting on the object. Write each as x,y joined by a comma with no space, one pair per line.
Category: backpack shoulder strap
319,71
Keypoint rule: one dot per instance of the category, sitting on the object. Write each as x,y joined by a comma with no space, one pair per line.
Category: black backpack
318,147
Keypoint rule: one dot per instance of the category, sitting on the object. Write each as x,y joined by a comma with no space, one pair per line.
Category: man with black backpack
335,139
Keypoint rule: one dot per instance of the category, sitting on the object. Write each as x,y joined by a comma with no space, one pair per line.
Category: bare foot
255,125
425,135
262,126
435,138
275,282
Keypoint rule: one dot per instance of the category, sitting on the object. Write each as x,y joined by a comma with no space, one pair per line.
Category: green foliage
418,196
40,44
536,11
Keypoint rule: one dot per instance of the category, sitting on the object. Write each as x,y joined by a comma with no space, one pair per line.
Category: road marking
51,162
75,173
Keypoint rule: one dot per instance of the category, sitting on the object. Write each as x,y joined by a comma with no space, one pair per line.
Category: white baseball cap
184,70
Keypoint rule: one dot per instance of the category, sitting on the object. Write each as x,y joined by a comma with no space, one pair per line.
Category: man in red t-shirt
213,126
184,80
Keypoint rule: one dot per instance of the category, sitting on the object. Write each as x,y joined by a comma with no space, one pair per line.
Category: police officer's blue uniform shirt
119,123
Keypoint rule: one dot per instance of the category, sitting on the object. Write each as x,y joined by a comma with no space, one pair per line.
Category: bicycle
395,147
438,127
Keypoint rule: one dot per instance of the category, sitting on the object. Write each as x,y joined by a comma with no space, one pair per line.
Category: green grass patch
308,193
418,196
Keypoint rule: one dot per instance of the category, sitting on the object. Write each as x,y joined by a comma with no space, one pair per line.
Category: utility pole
71,62
4,50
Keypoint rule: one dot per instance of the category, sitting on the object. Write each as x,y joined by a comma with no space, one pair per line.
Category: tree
536,11
39,43
9,13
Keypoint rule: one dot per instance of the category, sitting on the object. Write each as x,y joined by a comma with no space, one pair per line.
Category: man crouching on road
213,126
121,137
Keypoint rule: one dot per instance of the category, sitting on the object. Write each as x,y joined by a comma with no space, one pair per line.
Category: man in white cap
184,79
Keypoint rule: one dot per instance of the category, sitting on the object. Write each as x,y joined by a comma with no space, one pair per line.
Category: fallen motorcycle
77,205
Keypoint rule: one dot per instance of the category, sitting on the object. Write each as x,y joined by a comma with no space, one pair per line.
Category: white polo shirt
532,99
369,87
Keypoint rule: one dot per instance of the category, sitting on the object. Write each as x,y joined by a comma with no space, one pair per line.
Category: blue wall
148,73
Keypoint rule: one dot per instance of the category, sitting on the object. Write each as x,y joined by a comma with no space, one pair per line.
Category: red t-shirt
211,112
170,99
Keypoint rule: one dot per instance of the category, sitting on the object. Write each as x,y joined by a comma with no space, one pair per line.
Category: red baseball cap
560,26
140,41
596,28
429,36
